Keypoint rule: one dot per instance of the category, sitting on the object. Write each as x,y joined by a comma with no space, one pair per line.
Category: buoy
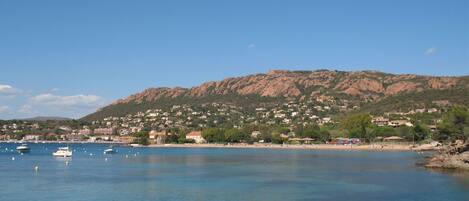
12,158
36,168
66,162
126,156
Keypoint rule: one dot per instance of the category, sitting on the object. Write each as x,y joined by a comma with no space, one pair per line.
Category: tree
311,131
357,125
420,132
454,125
142,137
266,136
277,139
212,135
405,132
282,130
324,135
235,135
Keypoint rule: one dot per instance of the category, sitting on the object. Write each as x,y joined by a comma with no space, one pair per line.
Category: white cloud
431,50
79,101
4,108
7,89
252,45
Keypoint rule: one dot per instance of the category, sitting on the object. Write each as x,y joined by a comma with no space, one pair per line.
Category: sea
218,174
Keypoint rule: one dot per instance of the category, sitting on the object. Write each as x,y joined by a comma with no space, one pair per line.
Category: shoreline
388,147
60,142
363,147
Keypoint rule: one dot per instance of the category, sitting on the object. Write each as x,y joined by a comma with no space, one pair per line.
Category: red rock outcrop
281,83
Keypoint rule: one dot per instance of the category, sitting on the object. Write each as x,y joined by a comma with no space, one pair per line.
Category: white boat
63,152
136,145
110,150
23,148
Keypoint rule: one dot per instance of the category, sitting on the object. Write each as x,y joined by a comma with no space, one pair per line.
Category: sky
68,58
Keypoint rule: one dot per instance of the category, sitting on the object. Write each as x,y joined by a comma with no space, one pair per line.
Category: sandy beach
374,147
361,147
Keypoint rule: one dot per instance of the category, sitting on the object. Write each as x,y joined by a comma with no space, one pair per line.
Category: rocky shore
453,156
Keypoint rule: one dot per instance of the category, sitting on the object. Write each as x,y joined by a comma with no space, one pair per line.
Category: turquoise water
220,174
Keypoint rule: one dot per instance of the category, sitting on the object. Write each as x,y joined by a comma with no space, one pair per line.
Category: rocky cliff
281,84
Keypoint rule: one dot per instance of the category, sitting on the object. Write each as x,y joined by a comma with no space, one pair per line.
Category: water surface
220,174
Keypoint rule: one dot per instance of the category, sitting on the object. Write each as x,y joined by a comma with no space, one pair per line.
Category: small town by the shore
423,129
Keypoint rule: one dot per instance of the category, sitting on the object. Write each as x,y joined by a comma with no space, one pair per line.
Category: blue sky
68,58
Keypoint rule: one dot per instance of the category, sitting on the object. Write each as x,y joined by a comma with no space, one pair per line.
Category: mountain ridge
284,84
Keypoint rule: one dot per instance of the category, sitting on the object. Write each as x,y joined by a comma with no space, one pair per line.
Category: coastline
363,147
60,142
387,147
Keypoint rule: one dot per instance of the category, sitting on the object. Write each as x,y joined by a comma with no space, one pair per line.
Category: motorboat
23,148
110,150
63,152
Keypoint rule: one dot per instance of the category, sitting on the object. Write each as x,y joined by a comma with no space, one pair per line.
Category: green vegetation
142,138
213,135
236,135
414,100
455,125
122,109
357,125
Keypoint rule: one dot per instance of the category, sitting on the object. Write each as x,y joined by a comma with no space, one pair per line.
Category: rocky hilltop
281,84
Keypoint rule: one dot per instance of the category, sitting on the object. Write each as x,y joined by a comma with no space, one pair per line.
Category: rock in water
454,156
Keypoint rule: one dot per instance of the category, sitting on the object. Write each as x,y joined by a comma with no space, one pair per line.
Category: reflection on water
222,174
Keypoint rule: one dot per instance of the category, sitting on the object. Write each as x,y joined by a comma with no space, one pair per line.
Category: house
31,137
4,137
306,140
104,131
85,131
397,123
196,136
156,137
255,134
380,121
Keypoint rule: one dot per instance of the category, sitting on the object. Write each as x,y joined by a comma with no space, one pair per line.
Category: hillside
371,90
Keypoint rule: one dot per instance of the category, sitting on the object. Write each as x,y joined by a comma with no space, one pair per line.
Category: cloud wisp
431,50
8,89
77,101
19,104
